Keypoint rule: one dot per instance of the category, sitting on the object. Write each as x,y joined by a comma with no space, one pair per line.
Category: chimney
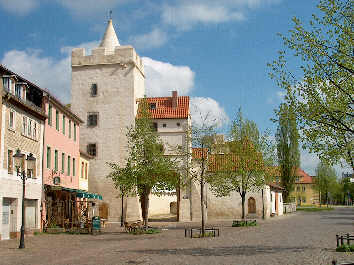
174,99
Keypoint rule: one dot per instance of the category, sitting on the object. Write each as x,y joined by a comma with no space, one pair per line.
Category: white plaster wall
280,203
273,201
160,204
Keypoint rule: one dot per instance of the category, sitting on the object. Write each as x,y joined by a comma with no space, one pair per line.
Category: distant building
84,170
22,127
304,192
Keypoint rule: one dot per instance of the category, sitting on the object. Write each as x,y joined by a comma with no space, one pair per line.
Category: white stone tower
105,86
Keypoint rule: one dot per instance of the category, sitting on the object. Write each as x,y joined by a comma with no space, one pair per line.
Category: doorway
5,231
276,203
251,205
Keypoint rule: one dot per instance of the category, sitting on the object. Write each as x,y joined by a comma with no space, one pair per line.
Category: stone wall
289,207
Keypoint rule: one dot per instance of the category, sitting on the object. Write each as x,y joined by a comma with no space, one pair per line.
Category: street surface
300,238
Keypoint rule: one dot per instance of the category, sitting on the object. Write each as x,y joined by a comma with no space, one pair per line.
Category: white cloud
47,72
185,14
162,78
90,7
207,111
154,39
19,7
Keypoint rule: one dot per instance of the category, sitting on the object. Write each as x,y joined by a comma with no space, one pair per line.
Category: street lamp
19,164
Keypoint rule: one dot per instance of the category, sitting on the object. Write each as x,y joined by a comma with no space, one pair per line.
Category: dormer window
152,105
18,90
93,90
6,83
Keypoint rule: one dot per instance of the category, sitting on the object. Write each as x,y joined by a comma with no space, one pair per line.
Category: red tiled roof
164,109
198,152
304,177
273,185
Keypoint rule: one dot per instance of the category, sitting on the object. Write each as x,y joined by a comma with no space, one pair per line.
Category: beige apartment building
22,127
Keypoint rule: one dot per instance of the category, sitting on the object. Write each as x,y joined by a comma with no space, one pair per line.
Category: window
152,105
6,83
12,119
24,125
56,160
93,90
57,120
50,115
29,129
92,149
85,170
74,132
82,170
64,124
92,119
10,162
178,124
49,157
303,188
32,172
154,126
74,167
297,188
164,125
297,179
271,197
304,199
18,89
69,128
34,130
62,162
68,165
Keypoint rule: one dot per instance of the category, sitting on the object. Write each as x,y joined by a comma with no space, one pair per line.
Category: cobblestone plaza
300,238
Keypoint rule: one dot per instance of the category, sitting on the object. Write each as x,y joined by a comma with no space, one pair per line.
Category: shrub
345,248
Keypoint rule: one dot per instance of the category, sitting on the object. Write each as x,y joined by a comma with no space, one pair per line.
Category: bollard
348,241
341,241
337,240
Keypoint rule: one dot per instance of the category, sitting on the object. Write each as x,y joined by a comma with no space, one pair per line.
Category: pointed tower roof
110,39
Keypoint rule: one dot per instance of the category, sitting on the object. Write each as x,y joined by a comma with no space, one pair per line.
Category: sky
216,52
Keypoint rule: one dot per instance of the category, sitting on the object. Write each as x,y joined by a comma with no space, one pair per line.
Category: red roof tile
164,109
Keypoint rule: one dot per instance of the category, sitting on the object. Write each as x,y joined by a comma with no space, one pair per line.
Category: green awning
87,195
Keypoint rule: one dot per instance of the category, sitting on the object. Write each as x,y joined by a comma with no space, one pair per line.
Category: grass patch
206,234
345,248
244,223
314,209
148,231
38,233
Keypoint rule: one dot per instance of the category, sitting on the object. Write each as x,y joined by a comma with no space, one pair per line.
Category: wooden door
251,205
276,203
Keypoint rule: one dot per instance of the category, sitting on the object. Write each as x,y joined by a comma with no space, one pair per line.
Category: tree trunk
144,203
263,214
243,197
202,204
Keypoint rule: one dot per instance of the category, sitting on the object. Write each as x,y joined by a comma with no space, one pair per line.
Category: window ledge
28,137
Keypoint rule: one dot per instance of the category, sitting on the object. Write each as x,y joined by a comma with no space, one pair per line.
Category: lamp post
20,169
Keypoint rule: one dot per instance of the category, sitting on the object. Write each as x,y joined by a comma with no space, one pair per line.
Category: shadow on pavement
222,251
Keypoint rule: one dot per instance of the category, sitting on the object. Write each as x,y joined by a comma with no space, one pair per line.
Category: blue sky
214,51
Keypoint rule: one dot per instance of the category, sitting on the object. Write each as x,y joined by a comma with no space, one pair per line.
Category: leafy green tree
321,89
325,181
287,140
146,168
245,166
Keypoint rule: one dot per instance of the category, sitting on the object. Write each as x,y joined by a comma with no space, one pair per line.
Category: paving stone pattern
300,238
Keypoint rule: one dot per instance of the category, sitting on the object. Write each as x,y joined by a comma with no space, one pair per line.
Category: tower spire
110,39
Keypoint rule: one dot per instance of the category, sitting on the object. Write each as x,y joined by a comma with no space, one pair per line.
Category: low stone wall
289,207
